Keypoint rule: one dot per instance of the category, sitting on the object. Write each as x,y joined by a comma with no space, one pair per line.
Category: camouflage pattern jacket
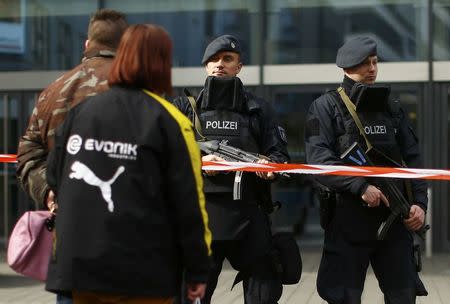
87,79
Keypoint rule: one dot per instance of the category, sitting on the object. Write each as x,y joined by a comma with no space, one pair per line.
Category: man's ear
86,44
239,67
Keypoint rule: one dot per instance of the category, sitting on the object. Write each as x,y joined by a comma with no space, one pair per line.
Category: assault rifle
398,204
229,153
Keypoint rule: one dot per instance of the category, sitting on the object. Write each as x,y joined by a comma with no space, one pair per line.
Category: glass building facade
289,51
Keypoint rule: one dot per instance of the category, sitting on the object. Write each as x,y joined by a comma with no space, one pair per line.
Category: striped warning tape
437,174
331,170
7,158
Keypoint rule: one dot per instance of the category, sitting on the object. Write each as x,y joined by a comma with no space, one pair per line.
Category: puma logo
81,171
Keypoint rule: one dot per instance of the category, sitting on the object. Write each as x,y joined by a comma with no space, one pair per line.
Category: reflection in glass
409,100
296,194
43,34
292,109
312,31
441,27
8,144
448,161
49,34
193,24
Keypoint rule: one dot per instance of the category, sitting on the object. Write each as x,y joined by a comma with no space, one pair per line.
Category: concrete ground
436,276
17,289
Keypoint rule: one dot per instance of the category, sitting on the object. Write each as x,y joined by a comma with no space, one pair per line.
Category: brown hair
144,59
106,27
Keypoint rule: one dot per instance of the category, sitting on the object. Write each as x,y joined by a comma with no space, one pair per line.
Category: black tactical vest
380,127
230,120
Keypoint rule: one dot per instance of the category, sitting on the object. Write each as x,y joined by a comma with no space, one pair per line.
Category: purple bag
30,244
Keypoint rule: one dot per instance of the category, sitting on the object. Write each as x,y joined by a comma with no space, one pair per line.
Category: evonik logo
114,149
74,144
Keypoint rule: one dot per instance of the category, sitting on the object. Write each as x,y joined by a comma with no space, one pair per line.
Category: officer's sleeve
184,188
182,104
321,146
273,137
31,161
409,148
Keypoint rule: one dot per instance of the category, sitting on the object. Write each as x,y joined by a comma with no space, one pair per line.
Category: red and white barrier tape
8,158
437,174
330,170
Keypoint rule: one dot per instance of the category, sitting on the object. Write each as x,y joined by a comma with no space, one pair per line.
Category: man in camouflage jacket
87,79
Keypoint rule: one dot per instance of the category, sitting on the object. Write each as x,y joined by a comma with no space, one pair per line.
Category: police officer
350,242
240,228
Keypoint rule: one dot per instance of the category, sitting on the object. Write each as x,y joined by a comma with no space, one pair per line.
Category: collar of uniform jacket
98,52
250,105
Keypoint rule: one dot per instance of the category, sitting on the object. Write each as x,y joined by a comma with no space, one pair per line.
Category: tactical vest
379,127
237,128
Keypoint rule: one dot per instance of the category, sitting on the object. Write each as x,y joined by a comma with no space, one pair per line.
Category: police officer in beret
351,242
241,229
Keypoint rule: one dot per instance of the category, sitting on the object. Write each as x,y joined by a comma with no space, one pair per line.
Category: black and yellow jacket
127,175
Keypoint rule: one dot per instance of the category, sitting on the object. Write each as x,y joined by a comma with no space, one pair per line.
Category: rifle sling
352,109
197,124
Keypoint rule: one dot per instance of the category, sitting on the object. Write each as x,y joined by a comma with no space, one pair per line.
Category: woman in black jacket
127,174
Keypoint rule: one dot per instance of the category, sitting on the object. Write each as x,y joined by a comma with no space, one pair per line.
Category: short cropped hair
106,27
143,59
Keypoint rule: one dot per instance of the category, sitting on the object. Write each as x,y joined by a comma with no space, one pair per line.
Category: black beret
220,44
355,51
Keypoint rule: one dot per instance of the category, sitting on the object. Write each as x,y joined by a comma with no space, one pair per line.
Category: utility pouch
327,206
417,257
286,258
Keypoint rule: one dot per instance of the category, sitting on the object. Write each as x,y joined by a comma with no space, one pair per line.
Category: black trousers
261,283
344,264
242,235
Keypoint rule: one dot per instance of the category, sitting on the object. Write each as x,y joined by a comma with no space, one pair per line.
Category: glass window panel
312,31
43,34
296,195
193,24
409,99
441,24
448,164
292,108
8,144
8,122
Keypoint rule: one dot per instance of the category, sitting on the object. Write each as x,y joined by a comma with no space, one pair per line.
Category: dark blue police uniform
350,242
240,228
